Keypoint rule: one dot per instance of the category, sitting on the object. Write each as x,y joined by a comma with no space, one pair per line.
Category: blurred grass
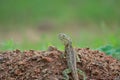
78,41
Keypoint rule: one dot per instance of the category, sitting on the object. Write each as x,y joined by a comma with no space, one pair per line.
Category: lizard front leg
65,73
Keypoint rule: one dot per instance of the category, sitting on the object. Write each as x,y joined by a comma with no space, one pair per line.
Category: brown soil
49,65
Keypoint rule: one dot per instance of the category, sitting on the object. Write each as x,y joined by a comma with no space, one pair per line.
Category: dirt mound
49,65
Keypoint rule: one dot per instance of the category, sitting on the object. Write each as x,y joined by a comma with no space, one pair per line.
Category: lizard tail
75,74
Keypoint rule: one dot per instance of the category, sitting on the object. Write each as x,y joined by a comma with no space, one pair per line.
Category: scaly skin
71,57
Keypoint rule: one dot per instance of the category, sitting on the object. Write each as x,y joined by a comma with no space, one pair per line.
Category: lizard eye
63,35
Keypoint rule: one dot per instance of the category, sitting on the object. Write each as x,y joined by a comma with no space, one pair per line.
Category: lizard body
71,56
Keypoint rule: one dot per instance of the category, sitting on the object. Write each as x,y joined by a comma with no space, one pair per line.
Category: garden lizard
71,57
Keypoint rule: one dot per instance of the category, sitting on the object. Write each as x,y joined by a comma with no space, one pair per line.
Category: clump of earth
49,65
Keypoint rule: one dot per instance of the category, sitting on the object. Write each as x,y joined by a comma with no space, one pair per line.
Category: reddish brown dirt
48,65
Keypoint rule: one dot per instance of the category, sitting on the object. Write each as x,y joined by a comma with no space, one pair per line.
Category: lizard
71,57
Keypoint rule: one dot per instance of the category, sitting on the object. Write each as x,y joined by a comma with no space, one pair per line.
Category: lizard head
65,39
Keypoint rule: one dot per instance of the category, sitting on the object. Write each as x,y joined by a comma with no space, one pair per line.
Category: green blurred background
35,24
